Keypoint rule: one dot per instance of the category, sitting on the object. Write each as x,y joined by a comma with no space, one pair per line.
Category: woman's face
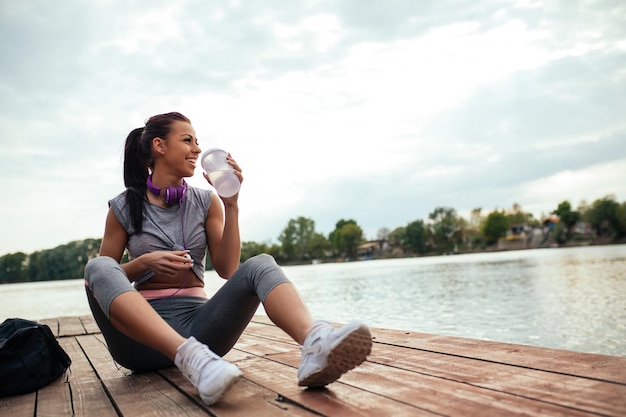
181,150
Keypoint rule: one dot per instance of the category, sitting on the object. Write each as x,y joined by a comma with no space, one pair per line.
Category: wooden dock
407,374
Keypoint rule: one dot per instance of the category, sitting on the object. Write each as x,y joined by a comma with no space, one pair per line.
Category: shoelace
322,331
197,359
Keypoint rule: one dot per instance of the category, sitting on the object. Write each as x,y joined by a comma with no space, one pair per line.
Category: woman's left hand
235,166
237,172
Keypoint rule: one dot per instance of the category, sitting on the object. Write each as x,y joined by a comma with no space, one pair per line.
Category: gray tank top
172,228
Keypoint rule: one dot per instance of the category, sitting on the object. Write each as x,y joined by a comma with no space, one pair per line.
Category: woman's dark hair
138,159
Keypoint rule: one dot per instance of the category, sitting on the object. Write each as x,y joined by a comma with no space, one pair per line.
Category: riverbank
398,254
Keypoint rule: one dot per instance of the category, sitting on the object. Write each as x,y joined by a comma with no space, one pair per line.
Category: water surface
572,298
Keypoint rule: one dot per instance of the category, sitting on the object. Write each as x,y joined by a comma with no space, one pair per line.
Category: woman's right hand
167,263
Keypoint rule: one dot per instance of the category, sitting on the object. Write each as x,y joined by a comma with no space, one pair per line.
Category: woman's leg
223,318
285,308
327,352
140,339
131,314
137,337
124,349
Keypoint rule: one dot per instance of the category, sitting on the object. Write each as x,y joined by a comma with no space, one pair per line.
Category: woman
153,311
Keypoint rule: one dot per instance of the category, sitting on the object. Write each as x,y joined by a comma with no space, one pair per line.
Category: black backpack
30,357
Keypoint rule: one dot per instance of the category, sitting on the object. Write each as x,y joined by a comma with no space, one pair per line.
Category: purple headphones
172,195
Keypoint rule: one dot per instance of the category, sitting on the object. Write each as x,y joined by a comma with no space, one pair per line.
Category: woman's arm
114,239
223,235
113,245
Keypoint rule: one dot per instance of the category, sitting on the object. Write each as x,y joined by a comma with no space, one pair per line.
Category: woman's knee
99,266
263,274
105,280
261,262
99,263
104,275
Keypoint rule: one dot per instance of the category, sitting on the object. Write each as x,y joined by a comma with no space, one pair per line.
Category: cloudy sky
377,111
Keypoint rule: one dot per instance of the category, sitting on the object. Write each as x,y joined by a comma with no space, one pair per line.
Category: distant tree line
444,231
63,262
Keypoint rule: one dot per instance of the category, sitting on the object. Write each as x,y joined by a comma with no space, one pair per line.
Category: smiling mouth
193,161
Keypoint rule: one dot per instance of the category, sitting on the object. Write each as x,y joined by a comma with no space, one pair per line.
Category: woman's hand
167,263
222,229
237,172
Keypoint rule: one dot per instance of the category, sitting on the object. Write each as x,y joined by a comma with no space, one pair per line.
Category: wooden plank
438,395
87,392
70,326
53,324
137,394
422,391
89,324
565,390
588,365
18,405
55,399
575,392
408,373
337,400
250,399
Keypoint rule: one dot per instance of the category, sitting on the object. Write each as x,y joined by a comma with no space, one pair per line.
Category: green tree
288,239
516,215
37,267
415,237
495,226
473,230
13,267
603,215
351,238
296,238
319,246
335,236
568,218
277,252
446,228
396,237
251,249
62,262
621,219
346,237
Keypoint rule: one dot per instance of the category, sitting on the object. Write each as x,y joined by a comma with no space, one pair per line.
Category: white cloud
588,184
324,30
144,33
334,111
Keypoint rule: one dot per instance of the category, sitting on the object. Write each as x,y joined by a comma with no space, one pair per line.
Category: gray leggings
217,322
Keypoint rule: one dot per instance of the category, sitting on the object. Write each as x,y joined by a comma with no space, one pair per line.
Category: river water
569,298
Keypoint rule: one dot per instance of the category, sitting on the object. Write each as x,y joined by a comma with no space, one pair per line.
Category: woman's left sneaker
329,352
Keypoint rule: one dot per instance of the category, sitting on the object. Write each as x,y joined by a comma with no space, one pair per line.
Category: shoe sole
230,381
347,353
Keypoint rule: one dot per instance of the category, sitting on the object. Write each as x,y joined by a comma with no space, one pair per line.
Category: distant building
584,230
517,237
371,248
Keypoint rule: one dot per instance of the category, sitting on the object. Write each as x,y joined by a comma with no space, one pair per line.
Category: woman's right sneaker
329,352
210,374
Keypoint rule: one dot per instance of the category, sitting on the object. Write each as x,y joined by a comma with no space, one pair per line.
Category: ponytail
136,162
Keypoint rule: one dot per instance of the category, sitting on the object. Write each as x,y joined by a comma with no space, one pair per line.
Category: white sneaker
211,375
328,352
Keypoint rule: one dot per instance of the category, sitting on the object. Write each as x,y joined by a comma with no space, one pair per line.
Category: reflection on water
571,298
